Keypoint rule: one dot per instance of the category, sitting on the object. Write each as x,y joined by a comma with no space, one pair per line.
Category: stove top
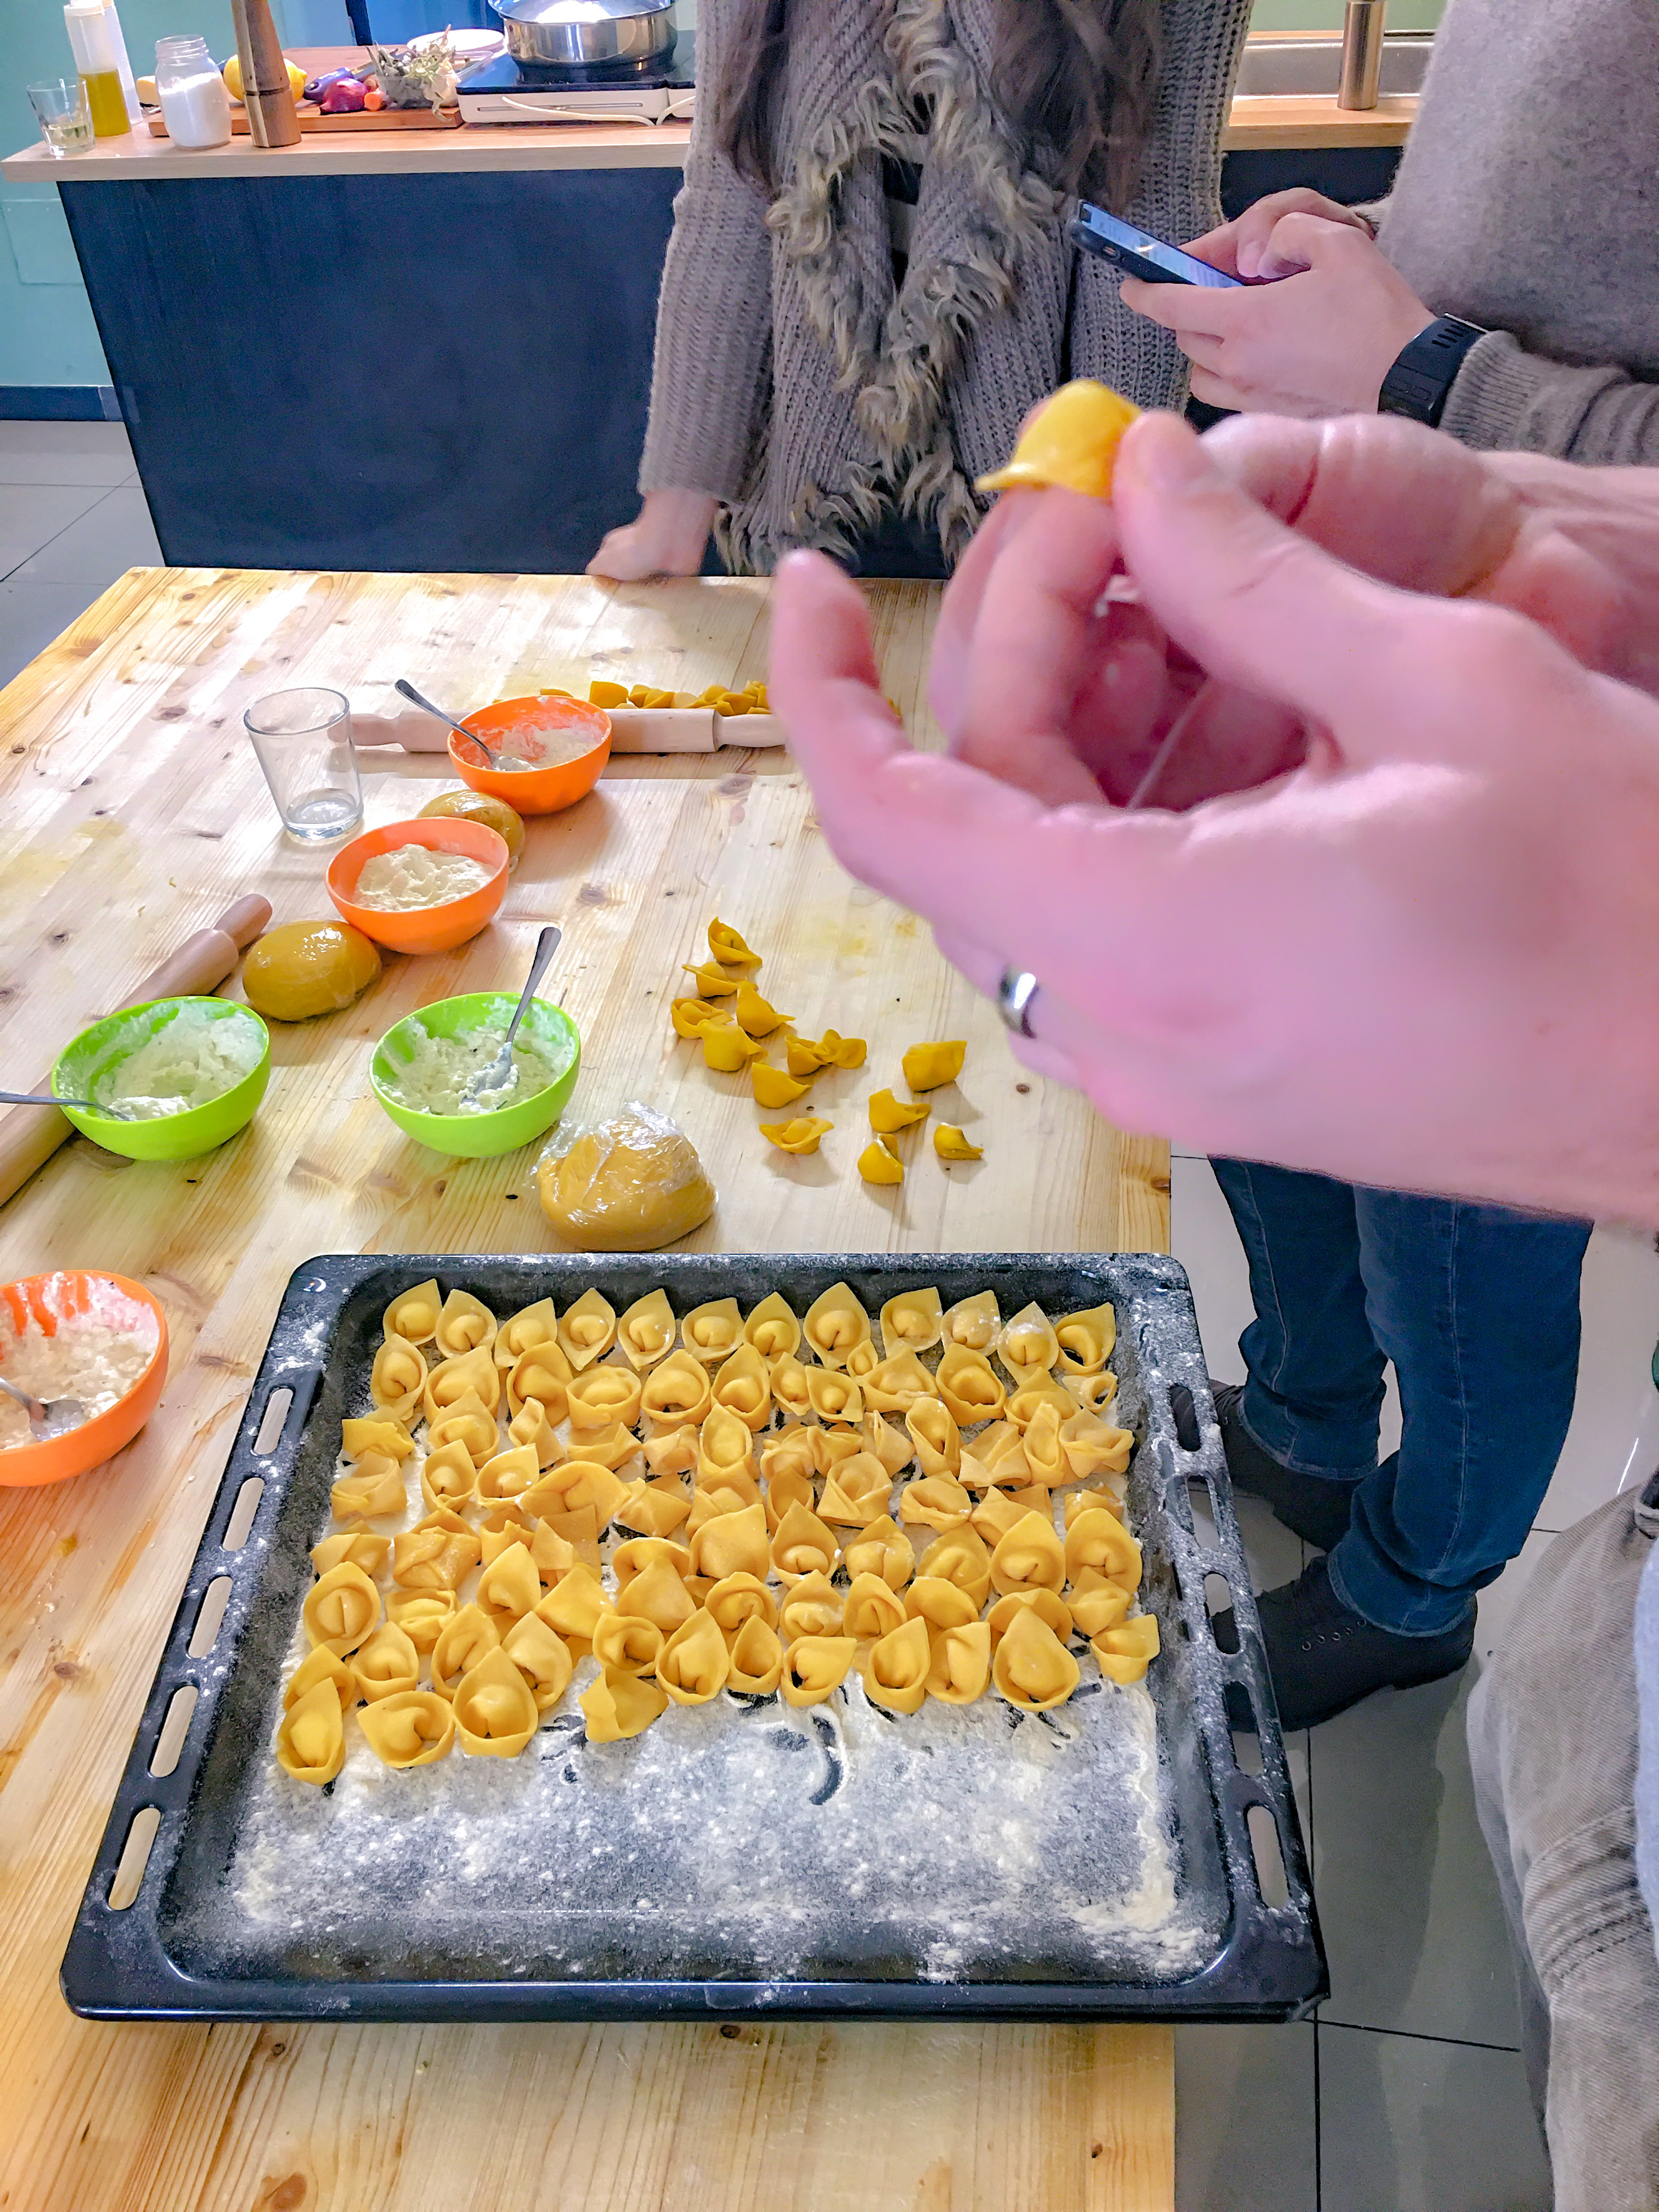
503,90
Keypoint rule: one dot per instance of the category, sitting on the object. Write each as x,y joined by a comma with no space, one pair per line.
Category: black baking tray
198,1942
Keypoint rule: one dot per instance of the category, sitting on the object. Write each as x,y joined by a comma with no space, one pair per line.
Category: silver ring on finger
1014,995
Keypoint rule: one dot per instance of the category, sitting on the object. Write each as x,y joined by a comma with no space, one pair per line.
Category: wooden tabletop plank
132,810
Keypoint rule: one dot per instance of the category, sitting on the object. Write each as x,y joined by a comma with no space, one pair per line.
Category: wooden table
131,811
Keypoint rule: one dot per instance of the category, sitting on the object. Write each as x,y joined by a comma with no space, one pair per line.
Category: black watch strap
1420,381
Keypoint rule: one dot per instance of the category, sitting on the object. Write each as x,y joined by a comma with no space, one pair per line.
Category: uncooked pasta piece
505,1522
928,1066
726,1440
951,1143
878,1163
626,1642
496,1711
509,1586
587,1329
1028,1401
959,1664
361,1545
607,1446
871,1608
1027,1347
465,1324
322,1666
387,1438
656,1508
449,1477
542,1376
542,1657
690,1015
1096,1604
422,1616
632,1559
436,1554
969,1386
883,1550
671,1451
803,1546
601,1395
911,1321
371,1488
472,1374
460,1646
413,1313
1085,1340
897,1382
1093,1447
1000,1450
618,1706
833,1397
974,1323
832,1446
790,1388
788,1453
1047,1604
858,1490
1093,1393
342,1610
959,1556
386,1663
834,1323
727,945
996,1513
712,1332
694,1662
838,1051
468,1423
815,1667
756,1014
1045,1454
800,1136
862,1361
1108,1500
942,1604
891,1446
896,1671
743,1388
1029,1557
732,1544
711,979
973,1474
522,1331
1100,1541
564,1541
772,1329
572,1605
530,1425
1032,1668
508,1474
310,1741
756,1660
398,1378
657,1594
645,1330
677,1391
937,1501
932,1428
725,1047
411,1727
789,1486
728,1489
1125,1653
579,1483
888,1115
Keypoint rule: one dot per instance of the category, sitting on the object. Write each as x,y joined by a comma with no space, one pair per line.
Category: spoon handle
32,1406
546,946
407,690
34,1098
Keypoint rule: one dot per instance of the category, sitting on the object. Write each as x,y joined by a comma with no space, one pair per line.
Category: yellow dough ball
479,806
1072,439
306,967
630,1184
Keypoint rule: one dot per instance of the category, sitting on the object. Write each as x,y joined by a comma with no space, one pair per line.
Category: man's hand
668,538
1238,246
1317,342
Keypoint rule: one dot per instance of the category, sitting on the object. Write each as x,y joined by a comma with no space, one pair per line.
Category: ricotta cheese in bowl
434,1078
411,876
71,1336
193,1057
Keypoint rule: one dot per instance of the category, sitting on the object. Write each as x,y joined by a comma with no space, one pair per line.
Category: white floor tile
1246,2119
32,515
98,546
64,454
1411,2126
1613,1442
1498,1601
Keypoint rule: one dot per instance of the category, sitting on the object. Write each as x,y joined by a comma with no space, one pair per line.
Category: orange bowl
423,928
549,722
51,1302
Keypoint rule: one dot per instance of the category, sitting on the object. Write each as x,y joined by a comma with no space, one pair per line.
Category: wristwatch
1420,381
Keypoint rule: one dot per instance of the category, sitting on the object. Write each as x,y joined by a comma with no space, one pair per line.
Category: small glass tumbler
303,739
60,108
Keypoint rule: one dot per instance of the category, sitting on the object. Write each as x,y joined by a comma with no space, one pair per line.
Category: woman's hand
1237,247
669,538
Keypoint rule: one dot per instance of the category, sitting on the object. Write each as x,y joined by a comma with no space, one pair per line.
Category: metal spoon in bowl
495,760
50,1418
498,1076
113,1113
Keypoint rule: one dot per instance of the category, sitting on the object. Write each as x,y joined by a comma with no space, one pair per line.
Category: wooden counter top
131,810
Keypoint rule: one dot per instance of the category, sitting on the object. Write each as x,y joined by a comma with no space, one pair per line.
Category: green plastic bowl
480,1136
169,1136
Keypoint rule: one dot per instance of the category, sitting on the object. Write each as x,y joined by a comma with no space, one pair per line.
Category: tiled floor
1408,2091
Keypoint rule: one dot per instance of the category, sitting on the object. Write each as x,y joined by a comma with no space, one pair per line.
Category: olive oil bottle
97,61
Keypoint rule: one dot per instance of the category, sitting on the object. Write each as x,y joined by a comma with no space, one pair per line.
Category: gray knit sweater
1529,201
791,381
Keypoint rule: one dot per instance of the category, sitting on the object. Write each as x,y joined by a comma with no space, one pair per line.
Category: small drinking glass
303,739
66,120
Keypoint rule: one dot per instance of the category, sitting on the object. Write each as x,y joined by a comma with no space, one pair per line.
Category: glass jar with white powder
195,102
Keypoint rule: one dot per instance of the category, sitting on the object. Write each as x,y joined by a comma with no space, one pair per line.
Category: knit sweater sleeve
713,311
1506,400
1179,198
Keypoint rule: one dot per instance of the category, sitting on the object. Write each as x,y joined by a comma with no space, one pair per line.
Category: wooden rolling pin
29,1135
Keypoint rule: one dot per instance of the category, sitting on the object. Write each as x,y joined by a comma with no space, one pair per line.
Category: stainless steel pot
572,32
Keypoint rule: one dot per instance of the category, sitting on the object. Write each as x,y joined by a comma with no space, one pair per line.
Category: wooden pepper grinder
272,119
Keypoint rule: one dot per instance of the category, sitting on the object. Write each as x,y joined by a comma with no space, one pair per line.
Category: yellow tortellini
1070,439
803,1547
835,1323
897,1382
743,1386
522,1331
1085,1340
397,1377
542,1657
727,945
411,1728
322,1666
496,1713
757,1659
620,1705
951,1143
926,1066
1028,1346
731,1544
896,1673
757,1015
413,1314
959,1664
936,1501
386,1664
711,1333
601,1395
871,1609
646,1331
465,1324
912,1320
974,1323
587,1329
342,1610
1032,1668
1031,1556
626,1642
462,1643
676,1391
815,1667
310,1741
883,1550
969,1386
773,1329
1126,1652
694,1662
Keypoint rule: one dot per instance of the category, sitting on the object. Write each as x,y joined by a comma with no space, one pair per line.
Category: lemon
232,77
479,806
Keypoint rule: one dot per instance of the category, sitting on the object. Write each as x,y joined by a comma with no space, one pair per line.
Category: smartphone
1137,253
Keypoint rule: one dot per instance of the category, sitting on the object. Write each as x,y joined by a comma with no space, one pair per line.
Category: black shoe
1313,1506
1323,1658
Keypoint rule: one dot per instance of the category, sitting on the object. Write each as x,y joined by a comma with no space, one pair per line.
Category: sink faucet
1362,52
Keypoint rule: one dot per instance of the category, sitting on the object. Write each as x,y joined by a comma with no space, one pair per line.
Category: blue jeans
1478,1309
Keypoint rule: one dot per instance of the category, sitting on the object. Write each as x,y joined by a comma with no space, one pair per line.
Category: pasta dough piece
411,1727
358,1544
756,1660
896,1671
1045,1604
522,1331
744,1387
398,1378
673,1451
738,1597
387,1438
472,1374
941,1604
952,1143
587,1329
658,1596
959,1664
711,979
460,1646
572,1605
837,1051
448,1478
883,1550
1045,1456
626,1642
959,1556
815,1667
892,1447
834,1323
465,1324
1027,1402
878,1163
469,1423
832,1446
645,1330
969,1386
688,1016
800,1136
694,1662
542,1658
975,1323
580,1483
508,1474
631,1559
730,1490
601,1395
342,1610
1093,1447
1125,1653
655,1509
857,1493
911,1321
508,1523
373,1488
1027,1347
618,1706
862,1360
926,1066
789,1453
1032,1668
422,1616
564,1541
897,1382
387,1663
724,1445
812,1607
1070,439
1100,1541
732,1544
804,1546
322,1666
712,1332
728,946
832,1396
725,1047
1089,1501
790,1388
1093,1393
677,1392
632,1183
607,1446
787,1487
509,1586
871,1609
888,1115
1085,1340
996,1513
496,1712
531,1426
542,1376
413,1313
310,1741
937,1501
437,1554
932,1428
773,1329
1000,1450
757,1017
1097,1605
1029,1557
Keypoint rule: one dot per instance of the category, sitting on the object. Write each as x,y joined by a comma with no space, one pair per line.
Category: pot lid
580,11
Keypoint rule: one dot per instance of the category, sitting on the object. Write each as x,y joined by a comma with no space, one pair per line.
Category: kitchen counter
134,809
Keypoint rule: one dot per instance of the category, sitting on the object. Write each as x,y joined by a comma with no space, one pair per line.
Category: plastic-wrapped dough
883,1550
646,1331
1032,1668
465,1324
494,1708
618,1706
756,1660
542,1657
413,1313
694,1662
386,1663
815,1667
896,1671
397,1377
959,1664
310,1741
871,1609
412,1728
633,1183
342,1610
